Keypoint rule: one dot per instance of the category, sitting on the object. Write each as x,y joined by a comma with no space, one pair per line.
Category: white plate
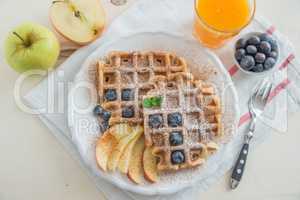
84,126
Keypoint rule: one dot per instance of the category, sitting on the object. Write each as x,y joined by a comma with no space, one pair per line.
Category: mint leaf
156,101
152,101
147,103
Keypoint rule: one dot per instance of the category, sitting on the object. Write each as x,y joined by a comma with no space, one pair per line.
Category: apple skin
41,54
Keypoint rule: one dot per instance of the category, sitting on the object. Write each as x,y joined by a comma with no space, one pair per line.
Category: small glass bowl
247,36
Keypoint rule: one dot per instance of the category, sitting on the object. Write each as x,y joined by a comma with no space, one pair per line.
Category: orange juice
218,20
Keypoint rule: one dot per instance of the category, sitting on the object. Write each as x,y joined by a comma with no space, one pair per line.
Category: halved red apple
80,21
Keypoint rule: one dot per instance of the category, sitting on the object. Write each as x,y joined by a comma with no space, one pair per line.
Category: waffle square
198,107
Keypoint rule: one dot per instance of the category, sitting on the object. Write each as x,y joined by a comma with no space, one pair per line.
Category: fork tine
261,88
267,92
257,89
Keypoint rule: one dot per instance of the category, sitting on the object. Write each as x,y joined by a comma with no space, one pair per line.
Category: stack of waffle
185,122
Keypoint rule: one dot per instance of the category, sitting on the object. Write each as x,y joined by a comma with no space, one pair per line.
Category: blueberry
265,47
103,114
110,95
268,38
274,46
176,138
251,49
260,58
98,110
247,62
239,54
241,43
273,54
269,63
128,112
253,40
177,157
106,115
265,37
127,94
174,119
104,126
155,120
258,68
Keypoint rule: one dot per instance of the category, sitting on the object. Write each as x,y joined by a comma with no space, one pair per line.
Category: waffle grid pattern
189,98
137,71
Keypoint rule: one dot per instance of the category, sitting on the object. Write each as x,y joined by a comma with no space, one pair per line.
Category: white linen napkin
176,17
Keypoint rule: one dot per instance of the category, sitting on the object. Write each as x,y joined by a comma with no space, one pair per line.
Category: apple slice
80,21
150,165
120,131
135,171
104,147
124,161
122,144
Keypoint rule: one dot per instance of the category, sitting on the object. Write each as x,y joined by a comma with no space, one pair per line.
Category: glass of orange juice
216,21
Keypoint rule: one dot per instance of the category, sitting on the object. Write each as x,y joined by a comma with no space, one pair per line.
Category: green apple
31,46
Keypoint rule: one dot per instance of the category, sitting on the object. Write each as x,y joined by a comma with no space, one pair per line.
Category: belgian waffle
135,72
200,109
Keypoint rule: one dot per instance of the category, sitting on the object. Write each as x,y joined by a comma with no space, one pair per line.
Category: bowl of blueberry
256,53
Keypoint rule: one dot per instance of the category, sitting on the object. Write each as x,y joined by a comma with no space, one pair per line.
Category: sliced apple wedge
120,131
150,166
124,161
135,171
104,147
122,144
80,21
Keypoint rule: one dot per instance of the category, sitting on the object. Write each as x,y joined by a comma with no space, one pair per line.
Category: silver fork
256,105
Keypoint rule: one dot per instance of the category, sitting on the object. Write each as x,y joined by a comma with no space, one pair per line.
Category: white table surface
34,165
